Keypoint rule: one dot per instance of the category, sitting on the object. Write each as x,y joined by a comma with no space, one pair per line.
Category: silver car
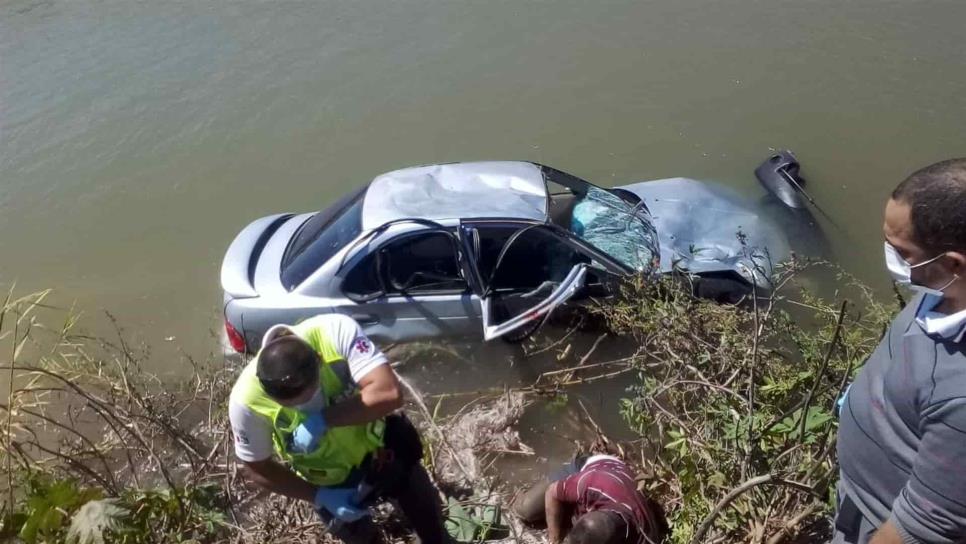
486,249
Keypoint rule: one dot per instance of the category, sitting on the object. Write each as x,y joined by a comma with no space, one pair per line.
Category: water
136,138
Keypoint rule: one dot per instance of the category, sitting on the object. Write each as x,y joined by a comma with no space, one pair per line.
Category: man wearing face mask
902,434
320,398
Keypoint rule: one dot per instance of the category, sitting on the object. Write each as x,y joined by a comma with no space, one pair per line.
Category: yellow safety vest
341,449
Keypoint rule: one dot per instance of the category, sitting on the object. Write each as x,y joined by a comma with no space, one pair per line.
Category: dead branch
823,368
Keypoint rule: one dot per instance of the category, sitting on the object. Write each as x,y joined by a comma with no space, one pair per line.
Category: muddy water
136,138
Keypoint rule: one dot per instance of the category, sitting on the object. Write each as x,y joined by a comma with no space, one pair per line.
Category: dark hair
936,195
286,367
598,527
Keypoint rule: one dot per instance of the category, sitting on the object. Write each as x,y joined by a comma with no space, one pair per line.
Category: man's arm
273,476
932,505
558,514
379,395
253,447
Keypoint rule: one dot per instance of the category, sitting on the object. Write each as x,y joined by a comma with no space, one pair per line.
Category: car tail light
235,338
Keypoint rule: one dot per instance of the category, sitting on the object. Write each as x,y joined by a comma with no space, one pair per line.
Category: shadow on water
806,235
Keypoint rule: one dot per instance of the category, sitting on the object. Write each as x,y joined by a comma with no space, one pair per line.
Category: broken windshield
623,231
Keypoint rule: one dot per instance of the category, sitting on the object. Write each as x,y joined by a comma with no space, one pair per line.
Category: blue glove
338,501
306,437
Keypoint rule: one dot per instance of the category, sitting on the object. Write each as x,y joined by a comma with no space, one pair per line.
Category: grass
735,404
733,407
97,449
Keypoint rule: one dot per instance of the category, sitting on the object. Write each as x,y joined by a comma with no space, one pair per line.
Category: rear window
321,237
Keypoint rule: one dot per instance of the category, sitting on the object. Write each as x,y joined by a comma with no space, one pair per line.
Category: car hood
706,228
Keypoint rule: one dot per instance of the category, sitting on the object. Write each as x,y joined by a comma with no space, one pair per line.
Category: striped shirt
606,484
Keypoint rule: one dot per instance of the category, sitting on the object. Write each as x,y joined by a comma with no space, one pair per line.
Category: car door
521,272
411,287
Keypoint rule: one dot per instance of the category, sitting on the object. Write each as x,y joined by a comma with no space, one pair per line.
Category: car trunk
239,265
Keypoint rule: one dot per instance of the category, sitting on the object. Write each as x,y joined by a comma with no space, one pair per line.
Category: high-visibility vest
341,449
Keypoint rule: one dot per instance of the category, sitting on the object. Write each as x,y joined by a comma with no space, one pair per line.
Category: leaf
492,523
29,529
94,520
458,524
816,418
12,522
491,514
674,444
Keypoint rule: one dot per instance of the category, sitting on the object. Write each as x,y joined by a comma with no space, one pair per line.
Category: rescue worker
594,500
902,434
312,417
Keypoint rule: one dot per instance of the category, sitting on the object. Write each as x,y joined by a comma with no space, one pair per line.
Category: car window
536,256
423,263
363,281
613,226
321,237
417,264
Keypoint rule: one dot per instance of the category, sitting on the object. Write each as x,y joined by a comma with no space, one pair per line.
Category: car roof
439,192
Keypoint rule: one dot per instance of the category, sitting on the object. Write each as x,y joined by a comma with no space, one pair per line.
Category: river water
137,138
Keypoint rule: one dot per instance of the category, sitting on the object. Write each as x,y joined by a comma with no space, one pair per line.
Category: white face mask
315,404
901,271
951,327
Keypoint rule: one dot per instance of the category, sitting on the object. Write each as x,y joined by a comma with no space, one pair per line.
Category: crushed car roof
455,191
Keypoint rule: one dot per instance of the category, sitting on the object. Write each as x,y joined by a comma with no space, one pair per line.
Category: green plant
48,505
735,404
474,521
97,450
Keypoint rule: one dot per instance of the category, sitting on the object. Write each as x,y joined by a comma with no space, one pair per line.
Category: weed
735,404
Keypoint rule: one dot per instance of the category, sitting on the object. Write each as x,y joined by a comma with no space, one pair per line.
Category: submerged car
485,248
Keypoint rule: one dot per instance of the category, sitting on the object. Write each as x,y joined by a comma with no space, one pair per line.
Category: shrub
735,404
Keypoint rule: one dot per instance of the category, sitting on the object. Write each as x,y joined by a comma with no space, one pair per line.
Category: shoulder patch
362,346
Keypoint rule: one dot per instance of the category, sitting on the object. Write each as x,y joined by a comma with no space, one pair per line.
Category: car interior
534,257
562,202
424,263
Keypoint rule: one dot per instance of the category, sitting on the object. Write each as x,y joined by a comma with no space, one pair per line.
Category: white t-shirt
253,433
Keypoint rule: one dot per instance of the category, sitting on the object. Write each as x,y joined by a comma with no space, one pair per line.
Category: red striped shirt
606,484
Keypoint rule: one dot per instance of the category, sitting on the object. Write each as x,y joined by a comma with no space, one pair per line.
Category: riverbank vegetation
735,406
732,405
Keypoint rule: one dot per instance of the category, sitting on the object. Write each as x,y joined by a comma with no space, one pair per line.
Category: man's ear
957,260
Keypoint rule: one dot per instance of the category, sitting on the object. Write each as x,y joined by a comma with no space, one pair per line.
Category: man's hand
557,512
340,503
379,395
270,475
887,534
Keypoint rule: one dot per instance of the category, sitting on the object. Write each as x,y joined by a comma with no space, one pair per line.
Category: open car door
521,272
498,323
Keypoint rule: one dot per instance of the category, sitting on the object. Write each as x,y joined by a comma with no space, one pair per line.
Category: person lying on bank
595,500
